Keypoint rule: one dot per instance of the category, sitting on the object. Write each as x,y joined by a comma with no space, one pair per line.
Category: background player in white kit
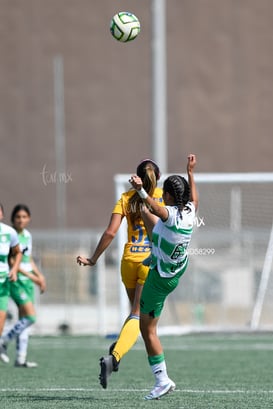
22,290
9,244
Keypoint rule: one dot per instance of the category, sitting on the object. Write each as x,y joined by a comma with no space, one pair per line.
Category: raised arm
190,166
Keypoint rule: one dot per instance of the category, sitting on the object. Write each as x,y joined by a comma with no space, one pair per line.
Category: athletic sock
127,337
159,369
19,327
22,346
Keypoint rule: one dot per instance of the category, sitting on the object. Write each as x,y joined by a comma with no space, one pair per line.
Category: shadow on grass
105,401
60,398
45,398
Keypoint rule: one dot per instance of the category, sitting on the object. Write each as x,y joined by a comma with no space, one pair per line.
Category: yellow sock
127,337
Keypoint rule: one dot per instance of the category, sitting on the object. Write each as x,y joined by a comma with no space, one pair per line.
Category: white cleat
3,352
25,364
160,390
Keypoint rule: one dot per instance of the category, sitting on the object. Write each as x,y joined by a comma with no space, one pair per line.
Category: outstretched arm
104,242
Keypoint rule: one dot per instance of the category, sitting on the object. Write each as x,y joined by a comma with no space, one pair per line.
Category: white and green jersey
25,242
8,239
170,240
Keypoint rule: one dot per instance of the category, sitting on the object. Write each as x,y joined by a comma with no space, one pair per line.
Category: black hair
2,208
149,173
17,209
178,187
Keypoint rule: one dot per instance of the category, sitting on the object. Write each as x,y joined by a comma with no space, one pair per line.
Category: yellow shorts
133,273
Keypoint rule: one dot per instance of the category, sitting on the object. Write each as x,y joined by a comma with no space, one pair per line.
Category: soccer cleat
116,364
112,347
3,352
160,390
25,364
106,365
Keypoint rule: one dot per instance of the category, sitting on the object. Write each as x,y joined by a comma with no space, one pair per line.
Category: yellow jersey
138,245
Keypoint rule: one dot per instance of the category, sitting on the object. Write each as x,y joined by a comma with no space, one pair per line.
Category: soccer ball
124,26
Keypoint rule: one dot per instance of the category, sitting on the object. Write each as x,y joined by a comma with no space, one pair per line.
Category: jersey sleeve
157,196
118,208
171,216
30,243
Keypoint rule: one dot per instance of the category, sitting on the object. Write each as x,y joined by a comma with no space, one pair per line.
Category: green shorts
4,294
22,291
155,291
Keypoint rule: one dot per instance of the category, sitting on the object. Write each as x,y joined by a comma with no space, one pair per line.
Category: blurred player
133,272
170,239
9,244
22,290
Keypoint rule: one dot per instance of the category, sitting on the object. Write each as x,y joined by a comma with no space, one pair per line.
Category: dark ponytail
149,173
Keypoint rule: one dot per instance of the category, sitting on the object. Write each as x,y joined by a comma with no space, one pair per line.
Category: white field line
234,346
192,391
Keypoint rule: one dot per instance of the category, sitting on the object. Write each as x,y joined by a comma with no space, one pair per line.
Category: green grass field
210,371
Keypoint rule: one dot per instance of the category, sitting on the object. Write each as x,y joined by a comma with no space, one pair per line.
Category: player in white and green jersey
22,290
9,244
133,270
170,239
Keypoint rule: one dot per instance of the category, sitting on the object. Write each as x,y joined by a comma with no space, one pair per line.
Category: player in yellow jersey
133,271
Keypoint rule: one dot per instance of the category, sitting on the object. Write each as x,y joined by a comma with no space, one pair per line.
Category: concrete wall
220,97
